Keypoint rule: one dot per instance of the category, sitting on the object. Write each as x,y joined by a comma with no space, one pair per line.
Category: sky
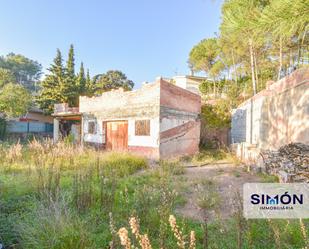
142,38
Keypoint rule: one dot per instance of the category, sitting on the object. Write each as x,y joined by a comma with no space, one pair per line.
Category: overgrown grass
211,156
268,178
63,197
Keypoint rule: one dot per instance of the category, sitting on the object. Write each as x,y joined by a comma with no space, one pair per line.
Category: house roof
36,109
193,77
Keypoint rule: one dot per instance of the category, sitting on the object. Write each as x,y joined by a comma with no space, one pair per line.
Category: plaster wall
276,116
179,121
146,141
118,104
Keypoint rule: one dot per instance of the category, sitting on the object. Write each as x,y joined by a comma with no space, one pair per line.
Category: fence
29,127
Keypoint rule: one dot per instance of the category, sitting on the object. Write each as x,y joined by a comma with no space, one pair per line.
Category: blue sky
143,38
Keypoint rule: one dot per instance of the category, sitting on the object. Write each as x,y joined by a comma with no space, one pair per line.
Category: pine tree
70,67
90,88
81,80
69,88
51,93
239,18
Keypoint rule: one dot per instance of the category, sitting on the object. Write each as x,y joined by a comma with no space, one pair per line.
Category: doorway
116,135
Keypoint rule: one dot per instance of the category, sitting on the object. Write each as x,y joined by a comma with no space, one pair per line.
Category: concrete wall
276,116
179,121
117,104
238,127
246,120
146,141
285,114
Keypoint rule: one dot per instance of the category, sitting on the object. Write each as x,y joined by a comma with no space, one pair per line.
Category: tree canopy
81,79
52,85
6,76
19,77
258,40
62,85
15,100
22,70
112,79
204,55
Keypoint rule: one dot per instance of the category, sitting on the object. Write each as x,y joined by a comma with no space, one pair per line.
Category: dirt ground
226,180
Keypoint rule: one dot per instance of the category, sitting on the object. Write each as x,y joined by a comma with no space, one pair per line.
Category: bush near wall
215,124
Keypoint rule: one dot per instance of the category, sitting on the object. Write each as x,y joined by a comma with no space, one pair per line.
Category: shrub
53,226
122,164
216,116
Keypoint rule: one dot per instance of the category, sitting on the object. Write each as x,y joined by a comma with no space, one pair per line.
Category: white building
189,82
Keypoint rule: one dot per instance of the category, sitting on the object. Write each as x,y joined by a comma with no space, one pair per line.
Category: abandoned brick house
158,120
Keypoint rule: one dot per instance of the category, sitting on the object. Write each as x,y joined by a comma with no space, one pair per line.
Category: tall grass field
61,196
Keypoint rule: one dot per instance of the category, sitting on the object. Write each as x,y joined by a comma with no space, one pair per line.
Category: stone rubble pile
290,163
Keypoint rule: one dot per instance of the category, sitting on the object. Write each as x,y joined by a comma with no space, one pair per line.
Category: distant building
158,120
36,115
34,122
189,82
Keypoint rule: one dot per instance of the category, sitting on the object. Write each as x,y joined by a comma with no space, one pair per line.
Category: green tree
259,40
51,92
239,18
81,80
216,116
70,66
285,18
205,57
90,84
15,100
61,84
6,76
112,79
25,71
286,25
69,87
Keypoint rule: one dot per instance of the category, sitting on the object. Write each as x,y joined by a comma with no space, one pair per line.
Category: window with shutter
142,127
